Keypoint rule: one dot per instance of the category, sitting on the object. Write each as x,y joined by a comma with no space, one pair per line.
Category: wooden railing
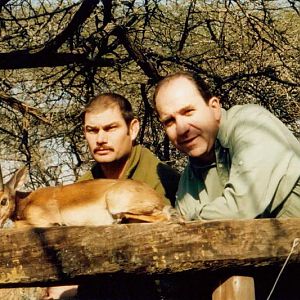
215,251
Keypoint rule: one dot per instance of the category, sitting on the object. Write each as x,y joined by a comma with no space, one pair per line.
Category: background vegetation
55,55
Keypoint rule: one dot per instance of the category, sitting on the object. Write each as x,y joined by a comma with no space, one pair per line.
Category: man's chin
195,153
103,158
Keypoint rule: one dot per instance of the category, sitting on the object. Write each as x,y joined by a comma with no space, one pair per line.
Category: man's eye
168,122
188,112
91,130
111,128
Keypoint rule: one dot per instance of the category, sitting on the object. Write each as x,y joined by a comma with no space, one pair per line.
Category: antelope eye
3,202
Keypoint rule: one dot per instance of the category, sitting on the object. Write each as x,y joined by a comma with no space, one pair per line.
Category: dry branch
22,107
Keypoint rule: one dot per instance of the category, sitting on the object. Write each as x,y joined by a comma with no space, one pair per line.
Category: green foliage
56,55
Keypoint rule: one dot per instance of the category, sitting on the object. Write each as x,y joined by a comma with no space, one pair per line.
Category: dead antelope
93,202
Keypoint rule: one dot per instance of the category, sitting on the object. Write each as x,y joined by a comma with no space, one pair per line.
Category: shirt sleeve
260,157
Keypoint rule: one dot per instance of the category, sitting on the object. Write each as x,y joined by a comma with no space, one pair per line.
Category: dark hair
198,82
107,100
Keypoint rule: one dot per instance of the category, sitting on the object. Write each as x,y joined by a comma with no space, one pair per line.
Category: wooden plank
39,255
235,288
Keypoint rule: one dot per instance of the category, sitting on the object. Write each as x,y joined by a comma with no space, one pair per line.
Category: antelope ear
18,179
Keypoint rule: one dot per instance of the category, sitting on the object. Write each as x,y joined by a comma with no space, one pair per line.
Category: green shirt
256,173
143,165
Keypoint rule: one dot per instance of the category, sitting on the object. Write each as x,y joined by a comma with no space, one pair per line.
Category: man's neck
114,170
204,161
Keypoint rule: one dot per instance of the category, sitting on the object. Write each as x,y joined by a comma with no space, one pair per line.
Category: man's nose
101,137
182,126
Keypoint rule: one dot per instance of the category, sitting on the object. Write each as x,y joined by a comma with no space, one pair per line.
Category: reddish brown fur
93,202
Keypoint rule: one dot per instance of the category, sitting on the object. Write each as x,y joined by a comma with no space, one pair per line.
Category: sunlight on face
107,134
190,123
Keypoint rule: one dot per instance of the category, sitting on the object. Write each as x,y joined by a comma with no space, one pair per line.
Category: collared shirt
257,170
144,166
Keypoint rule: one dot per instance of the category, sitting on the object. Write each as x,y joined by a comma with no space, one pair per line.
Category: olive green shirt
143,165
256,173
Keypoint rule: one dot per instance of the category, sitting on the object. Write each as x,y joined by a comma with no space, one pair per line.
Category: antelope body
93,202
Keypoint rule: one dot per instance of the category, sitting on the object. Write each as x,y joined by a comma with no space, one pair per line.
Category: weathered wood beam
41,255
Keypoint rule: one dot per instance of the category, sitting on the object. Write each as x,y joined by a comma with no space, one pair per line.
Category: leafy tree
56,55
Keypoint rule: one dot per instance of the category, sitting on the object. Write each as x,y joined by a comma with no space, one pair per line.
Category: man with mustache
243,162
110,129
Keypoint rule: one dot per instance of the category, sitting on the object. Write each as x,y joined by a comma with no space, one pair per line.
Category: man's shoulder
149,162
147,153
149,156
242,117
146,157
245,111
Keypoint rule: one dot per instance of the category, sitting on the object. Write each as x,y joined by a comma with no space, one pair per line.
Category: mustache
102,148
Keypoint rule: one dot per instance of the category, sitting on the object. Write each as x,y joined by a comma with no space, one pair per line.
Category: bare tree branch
61,53
137,54
79,18
186,27
23,59
22,107
107,13
2,3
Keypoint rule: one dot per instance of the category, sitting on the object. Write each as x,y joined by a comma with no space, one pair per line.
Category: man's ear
214,103
134,128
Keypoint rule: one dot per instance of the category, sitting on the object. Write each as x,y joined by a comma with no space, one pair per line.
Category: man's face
190,123
107,134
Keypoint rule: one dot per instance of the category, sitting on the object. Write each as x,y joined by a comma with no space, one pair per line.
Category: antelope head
8,194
